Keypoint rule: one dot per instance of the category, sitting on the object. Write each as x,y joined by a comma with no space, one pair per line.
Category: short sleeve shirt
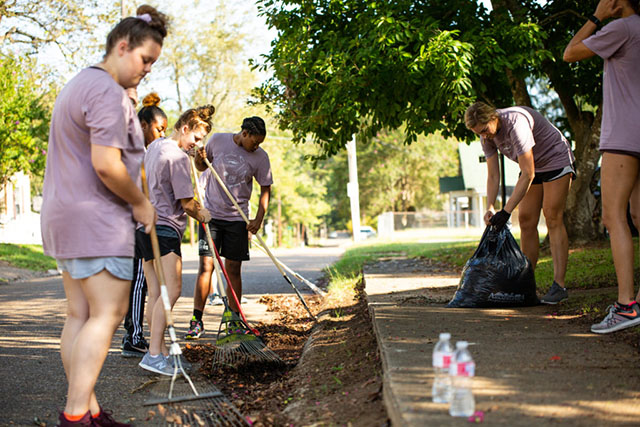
618,43
523,129
236,167
168,170
80,216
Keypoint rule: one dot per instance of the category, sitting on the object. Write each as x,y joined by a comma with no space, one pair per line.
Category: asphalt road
32,313
260,276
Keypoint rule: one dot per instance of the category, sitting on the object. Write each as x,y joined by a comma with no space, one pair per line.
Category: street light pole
353,190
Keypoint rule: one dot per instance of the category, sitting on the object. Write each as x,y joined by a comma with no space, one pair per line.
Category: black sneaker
134,349
555,295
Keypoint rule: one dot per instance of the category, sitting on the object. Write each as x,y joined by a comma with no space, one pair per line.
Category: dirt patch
336,382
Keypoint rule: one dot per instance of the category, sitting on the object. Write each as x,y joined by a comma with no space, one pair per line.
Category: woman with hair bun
153,122
91,200
168,170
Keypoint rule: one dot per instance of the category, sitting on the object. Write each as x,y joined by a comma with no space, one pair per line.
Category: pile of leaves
336,381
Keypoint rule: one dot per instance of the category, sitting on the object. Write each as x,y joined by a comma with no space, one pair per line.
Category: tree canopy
358,66
24,121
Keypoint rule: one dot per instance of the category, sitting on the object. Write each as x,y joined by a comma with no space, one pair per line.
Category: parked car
367,232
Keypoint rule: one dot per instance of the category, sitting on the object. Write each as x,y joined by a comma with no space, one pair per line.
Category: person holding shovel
168,169
544,155
618,43
238,159
91,197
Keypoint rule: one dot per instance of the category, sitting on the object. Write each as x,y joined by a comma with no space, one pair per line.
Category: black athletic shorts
230,237
168,240
549,176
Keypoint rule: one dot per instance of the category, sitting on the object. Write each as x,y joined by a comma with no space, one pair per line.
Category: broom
233,347
264,245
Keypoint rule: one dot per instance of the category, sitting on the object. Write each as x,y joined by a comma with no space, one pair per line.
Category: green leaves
347,67
24,121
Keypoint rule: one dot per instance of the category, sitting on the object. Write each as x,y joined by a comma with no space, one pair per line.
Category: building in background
18,222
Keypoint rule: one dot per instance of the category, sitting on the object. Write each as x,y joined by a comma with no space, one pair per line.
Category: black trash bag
497,275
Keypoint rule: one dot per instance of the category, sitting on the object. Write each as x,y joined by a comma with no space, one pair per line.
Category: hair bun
151,100
159,20
205,112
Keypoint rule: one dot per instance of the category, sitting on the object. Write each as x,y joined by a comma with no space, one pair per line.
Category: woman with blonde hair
168,169
91,198
545,159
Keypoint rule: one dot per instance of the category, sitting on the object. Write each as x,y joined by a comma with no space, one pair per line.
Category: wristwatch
595,20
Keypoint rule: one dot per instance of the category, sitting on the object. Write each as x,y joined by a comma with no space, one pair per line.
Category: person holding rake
238,159
168,169
153,122
91,197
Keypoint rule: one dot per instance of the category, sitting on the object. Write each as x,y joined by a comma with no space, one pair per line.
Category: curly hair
194,118
254,126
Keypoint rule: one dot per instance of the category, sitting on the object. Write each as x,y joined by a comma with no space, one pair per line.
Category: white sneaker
214,299
157,364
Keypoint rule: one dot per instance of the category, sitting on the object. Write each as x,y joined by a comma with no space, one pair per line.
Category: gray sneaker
555,295
186,365
157,364
617,319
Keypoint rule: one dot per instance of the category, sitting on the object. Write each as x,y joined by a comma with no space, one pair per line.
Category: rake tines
246,351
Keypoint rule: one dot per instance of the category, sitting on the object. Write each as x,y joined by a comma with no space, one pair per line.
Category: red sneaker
105,419
85,421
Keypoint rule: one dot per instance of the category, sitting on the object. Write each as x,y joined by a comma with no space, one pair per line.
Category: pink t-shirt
237,167
618,43
523,129
168,171
80,216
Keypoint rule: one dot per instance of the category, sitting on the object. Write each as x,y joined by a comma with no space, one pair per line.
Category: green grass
588,267
26,256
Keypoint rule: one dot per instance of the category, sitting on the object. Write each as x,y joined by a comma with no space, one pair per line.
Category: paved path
32,314
532,368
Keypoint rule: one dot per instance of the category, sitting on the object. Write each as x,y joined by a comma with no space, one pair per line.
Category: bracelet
595,20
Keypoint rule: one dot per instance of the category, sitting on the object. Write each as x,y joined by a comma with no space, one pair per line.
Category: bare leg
234,270
634,203
619,177
554,200
172,268
529,216
203,283
106,298
153,290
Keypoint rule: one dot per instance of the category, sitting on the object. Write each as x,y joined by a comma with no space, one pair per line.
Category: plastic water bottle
462,371
442,354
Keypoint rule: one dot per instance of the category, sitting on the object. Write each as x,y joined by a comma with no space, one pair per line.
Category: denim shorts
81,268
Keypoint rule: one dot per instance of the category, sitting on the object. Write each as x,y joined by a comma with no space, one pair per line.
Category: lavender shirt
523,129
237,167
169,176
618,43
80,216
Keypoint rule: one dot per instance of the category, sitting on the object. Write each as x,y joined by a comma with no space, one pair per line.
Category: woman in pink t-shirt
91,199
618,43
168,169
546,170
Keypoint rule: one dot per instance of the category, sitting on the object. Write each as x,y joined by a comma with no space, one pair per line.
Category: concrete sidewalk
532,367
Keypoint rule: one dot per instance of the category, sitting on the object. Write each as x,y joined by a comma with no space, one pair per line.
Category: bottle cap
461,344
445,336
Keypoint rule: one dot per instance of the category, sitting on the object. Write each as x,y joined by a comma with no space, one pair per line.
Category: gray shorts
81,268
